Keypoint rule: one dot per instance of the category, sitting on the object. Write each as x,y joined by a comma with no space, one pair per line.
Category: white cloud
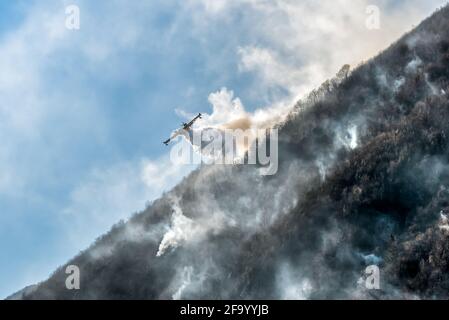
306,42
225,108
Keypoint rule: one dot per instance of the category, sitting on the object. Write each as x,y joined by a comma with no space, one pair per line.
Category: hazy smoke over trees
363,179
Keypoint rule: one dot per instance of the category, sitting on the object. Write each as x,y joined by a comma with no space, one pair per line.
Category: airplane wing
188,125
176,133
186,128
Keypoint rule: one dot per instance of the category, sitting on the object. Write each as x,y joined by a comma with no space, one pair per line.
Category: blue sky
83,113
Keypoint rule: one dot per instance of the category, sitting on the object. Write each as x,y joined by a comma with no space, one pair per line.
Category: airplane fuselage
185,126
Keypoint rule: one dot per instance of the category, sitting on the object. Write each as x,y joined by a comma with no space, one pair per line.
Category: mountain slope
363,178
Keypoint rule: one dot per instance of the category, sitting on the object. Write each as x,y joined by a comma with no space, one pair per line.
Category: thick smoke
229,120
363,180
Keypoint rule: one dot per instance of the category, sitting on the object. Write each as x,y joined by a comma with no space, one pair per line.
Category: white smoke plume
182,229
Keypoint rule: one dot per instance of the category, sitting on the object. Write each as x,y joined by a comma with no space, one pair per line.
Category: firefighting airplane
185,126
